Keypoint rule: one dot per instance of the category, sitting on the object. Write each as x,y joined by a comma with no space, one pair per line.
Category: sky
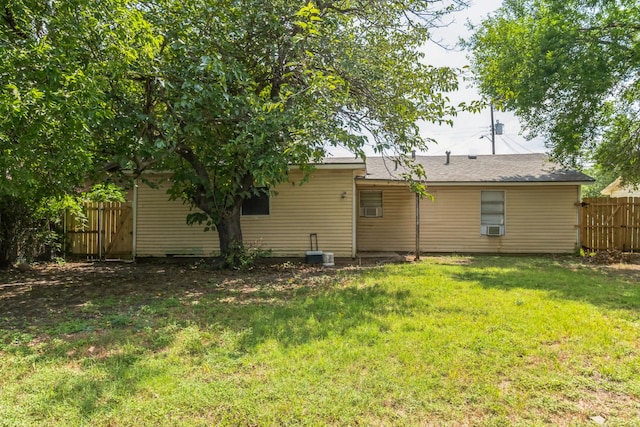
471,133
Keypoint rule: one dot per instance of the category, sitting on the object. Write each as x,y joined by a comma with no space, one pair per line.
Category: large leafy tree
225,94
45,146
570,69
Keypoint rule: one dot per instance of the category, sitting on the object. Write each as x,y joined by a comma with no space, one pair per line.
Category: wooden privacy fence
610,223
105,232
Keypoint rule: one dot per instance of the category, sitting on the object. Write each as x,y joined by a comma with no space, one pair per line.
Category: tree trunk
7,253
10,216
230,236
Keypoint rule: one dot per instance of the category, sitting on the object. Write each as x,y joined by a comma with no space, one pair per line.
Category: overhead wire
514,141
461,142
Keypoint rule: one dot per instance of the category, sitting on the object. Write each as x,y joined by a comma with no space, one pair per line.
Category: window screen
492,208
371,203
371,199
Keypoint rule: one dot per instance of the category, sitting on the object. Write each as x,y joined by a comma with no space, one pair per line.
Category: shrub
23,234
244,257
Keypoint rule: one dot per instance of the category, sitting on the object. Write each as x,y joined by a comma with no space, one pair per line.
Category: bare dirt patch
50,293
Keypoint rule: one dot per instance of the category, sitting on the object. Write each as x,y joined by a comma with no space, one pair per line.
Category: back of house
485,204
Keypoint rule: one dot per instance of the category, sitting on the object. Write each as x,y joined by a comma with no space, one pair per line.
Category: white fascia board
471,183
343,166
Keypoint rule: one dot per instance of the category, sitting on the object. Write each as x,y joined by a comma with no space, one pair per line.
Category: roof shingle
512,168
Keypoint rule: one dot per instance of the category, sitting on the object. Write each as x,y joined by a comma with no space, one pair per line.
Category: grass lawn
447,341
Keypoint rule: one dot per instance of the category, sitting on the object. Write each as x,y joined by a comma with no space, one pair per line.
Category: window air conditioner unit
370,212
492,230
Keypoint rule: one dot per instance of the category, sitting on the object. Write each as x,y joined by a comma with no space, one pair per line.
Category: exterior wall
538,219
395,230
625,192
317,206
616,189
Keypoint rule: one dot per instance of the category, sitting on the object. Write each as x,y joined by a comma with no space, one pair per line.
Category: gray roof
508,168
342,161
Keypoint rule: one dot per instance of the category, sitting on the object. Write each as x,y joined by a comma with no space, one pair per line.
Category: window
492,213
257,204
371,204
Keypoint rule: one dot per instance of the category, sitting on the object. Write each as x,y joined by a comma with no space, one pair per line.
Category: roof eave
364,180
351,166
609,189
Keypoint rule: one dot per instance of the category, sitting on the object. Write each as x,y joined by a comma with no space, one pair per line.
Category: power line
514,141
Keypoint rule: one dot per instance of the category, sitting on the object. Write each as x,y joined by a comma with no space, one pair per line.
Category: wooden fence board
610,223
106,232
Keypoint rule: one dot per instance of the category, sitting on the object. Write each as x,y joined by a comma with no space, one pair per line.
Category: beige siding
161,227
395,230
615,189
539,219
296,211
625,192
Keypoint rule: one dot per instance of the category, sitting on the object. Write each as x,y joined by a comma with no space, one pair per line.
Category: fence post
100,212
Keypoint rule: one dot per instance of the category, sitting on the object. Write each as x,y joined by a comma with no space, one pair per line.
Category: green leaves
309,16
568,70
225,94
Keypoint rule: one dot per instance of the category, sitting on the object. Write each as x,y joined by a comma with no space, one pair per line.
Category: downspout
353,215
417,258
134,212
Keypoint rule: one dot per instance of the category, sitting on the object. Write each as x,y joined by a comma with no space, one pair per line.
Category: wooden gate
610,223
106,231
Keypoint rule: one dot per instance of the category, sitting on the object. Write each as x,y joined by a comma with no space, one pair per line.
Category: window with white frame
257,204
492,213
371,204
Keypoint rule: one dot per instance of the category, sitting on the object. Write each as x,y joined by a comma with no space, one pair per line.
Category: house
325,205
485,204
616,189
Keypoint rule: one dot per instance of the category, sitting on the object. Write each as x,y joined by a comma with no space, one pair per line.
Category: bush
244,257
17,229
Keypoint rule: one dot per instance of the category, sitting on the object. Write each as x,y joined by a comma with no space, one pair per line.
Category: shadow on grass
336,312
562,278
101,386
118,328
99,297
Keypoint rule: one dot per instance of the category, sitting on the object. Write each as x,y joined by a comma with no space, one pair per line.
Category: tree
228,94
602,179
570,70
45,146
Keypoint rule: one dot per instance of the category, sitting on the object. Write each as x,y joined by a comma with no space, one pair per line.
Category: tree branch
610,26
10,20
199,197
